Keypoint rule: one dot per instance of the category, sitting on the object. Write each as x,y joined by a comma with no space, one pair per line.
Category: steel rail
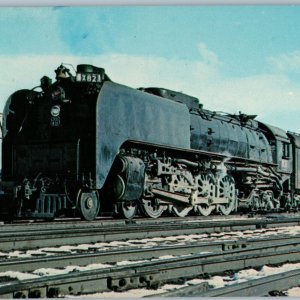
83,259
258,287
26,239
149,274
264,286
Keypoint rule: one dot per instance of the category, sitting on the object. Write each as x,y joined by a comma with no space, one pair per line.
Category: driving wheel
150,208
227,190
205,188
181,212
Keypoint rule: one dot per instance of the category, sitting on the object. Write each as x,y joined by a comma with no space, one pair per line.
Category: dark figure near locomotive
85,145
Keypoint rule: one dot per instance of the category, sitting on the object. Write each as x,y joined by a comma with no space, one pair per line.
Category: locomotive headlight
55,111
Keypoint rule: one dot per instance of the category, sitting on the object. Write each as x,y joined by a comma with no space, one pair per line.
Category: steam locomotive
85,145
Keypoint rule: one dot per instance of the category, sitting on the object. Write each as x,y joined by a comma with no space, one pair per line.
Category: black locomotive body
86,144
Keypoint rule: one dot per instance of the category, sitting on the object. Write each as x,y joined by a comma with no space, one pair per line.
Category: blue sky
234,58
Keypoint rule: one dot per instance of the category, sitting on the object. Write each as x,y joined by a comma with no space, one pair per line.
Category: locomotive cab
281,147
295,158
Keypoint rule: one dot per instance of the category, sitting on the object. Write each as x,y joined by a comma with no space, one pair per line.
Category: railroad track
152,273
109,220
83,259
22,237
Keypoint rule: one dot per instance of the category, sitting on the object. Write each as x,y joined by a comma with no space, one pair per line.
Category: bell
61,72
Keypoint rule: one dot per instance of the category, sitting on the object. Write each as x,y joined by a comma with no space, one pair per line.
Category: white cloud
267,95
208,56
289,62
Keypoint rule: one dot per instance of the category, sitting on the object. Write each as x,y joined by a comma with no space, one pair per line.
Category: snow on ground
215,281
294,292
53,272
2,254
18,275
130,262
265,271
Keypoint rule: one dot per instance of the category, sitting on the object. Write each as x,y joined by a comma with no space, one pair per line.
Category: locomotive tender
86,145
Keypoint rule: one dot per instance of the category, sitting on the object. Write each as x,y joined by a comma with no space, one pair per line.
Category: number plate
88,77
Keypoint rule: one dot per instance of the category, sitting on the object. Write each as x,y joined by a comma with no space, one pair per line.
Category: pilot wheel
88,205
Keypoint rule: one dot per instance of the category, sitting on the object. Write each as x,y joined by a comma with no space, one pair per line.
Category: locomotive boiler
85,145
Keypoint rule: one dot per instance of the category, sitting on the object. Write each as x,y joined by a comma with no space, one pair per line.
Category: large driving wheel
227,191
150,208
88,205
205,188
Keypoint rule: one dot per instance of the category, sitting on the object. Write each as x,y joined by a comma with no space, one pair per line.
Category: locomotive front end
48,149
